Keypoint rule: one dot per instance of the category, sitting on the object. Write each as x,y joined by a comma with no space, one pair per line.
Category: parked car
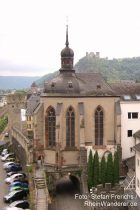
14,196
14,188
14,168
14,177
9,155
16,172
4,152
10,159
12,164
13,208
24,204
18,183
23,181
6,134
7,164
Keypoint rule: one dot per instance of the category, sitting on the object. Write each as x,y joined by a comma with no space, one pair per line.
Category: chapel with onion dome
77,112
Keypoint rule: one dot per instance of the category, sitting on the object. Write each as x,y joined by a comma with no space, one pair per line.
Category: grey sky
32,32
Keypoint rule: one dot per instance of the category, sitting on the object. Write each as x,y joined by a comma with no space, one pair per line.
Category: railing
131,184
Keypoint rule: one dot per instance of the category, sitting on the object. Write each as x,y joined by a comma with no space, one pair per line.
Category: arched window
99,126
50,127
70,128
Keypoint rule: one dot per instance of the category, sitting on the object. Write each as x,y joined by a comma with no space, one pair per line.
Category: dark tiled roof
126,88
137,134
82,83
137,147
32,104
94,84
130,162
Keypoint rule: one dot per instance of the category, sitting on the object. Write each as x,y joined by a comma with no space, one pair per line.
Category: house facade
130,121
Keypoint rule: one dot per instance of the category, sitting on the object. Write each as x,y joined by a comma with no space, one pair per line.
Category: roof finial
67,41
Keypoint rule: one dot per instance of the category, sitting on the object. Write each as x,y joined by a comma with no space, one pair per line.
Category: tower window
129,133
129,115
70,84
132,115
53,84
99,126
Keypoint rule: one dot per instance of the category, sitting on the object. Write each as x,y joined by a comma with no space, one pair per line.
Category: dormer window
53,84
138,97
98,86
127,97
70,84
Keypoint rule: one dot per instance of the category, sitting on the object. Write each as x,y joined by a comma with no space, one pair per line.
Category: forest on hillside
111,69
115,69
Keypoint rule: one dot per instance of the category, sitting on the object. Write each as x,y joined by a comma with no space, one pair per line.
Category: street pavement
3,186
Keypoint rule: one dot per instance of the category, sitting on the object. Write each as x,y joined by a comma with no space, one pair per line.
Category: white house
130,124
137,168
2,101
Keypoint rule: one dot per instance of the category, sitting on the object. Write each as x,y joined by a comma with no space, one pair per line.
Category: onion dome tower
66,82
67,56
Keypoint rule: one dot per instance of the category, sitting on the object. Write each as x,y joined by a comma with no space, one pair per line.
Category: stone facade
15,103
85,133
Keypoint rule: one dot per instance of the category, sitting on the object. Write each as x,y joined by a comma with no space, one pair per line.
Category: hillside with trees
115,69
111,69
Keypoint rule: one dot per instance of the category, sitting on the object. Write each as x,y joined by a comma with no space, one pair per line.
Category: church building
76,111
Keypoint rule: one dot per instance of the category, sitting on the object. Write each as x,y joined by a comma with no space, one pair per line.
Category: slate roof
137,147
82,83
137,134
126,88
32,104
130,162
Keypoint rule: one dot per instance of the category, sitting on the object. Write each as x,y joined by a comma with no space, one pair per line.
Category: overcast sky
32,32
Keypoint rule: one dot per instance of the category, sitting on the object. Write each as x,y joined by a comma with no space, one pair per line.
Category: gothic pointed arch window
99,124
50,127
70,127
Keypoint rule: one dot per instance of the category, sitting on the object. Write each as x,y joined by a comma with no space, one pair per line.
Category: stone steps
40,183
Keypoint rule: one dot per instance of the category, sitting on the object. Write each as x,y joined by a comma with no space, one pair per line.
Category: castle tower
15,103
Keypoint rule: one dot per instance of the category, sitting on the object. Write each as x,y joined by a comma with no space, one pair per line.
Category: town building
129,92
137,171
32,103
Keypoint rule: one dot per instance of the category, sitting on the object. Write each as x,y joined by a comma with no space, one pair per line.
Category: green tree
103,171
90,170
96,169
116,167
109,169
3,123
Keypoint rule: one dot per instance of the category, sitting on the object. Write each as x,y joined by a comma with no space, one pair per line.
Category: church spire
67,40
67,56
